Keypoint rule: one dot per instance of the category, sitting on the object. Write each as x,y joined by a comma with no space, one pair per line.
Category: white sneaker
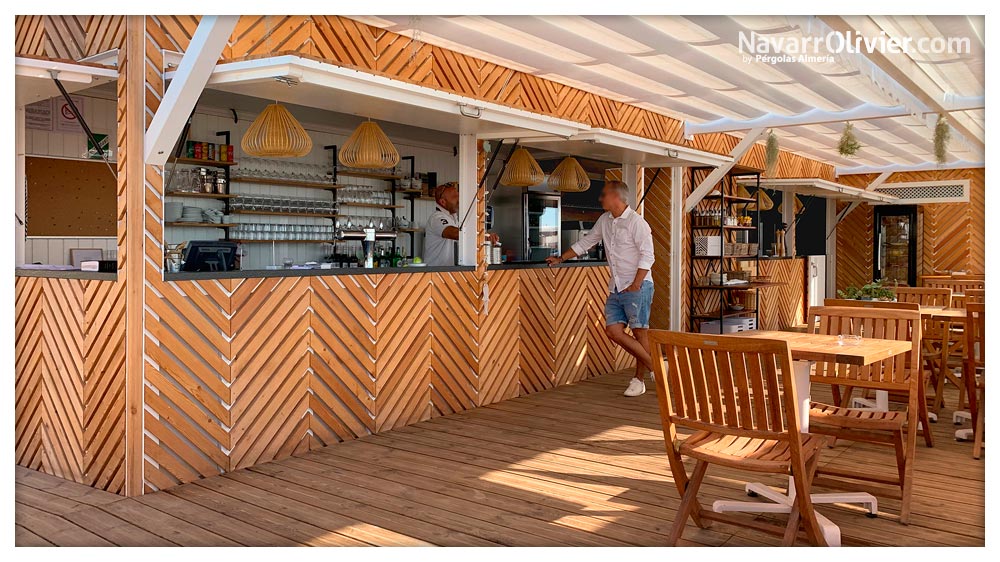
652,377
635,388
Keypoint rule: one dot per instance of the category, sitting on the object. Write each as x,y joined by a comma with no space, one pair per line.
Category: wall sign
38,115
65,120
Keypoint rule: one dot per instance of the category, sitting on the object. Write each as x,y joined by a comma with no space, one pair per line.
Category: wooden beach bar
153,382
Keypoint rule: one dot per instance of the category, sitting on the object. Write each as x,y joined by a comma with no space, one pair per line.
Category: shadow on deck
579,465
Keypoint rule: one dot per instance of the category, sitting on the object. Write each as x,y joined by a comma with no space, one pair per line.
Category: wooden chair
843,396
922,280
975,361
737,396
901,374
975,295
958,286
933,339
889,305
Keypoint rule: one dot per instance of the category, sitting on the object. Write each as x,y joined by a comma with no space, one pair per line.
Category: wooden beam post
189,81
878,181
717,174
131,128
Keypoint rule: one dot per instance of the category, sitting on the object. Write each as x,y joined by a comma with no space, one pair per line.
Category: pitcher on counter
628,243
441,231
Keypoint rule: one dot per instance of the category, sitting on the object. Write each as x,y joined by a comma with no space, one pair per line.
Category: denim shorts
631,309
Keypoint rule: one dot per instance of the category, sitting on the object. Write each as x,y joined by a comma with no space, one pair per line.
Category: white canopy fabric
692,68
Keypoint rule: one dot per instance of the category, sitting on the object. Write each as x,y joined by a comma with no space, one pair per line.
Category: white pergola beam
879,181
863,112
189,81
906,72
717,174
922,167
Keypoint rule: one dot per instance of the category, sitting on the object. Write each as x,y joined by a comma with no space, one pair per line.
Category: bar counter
240,368
65,274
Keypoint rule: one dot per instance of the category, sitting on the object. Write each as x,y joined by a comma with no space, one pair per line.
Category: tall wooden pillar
131,204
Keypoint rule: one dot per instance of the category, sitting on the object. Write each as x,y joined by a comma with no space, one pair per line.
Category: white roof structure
704,70
820,188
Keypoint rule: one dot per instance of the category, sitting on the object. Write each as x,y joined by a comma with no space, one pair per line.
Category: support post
676,244
20,227
788,217
468,199
132,103
831,250
630,175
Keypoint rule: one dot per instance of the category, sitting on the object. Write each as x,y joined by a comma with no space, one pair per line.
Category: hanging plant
848,145
771,154
942,134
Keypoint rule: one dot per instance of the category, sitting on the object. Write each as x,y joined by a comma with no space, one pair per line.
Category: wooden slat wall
67,37
246,371
783,306
70,379
952,235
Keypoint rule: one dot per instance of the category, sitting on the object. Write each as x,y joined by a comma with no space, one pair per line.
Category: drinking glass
849,340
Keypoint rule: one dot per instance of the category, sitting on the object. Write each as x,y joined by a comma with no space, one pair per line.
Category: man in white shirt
441,230
628,244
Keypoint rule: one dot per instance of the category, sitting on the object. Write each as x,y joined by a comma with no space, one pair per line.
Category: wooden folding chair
871,304
934,340
958,286
843,397
975,362
975,295
737,396
901,374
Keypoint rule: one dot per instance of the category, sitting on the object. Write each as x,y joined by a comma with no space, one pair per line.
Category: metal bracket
83,122
842,216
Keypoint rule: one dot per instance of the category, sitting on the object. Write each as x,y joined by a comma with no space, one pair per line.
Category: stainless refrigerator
542,221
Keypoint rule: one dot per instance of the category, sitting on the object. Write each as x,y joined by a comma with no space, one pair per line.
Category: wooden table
807,349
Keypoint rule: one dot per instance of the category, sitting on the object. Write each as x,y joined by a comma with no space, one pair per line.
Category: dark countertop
772,258
541,264
57,274
260,273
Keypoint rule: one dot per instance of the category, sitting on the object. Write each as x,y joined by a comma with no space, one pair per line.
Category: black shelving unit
717,264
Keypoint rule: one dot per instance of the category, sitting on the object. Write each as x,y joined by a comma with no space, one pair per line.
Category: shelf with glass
712,219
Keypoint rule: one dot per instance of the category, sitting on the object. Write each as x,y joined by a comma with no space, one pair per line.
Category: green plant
942,134
848,145
870,291
771,154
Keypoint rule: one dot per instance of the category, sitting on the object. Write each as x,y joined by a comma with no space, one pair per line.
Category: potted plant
873,291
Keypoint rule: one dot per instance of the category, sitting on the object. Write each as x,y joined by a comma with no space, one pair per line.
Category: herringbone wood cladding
70,378
67,37
245,371
952,235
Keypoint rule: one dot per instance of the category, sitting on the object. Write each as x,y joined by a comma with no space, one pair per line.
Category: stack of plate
191,214
172,211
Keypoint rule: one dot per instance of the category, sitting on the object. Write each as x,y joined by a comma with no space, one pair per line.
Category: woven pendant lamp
798,206
569,176
276,134
766,203
369,148
522,170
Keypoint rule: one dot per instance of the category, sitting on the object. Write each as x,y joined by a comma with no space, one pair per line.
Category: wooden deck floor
579,465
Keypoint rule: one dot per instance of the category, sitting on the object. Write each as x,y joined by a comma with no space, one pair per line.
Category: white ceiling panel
692,68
